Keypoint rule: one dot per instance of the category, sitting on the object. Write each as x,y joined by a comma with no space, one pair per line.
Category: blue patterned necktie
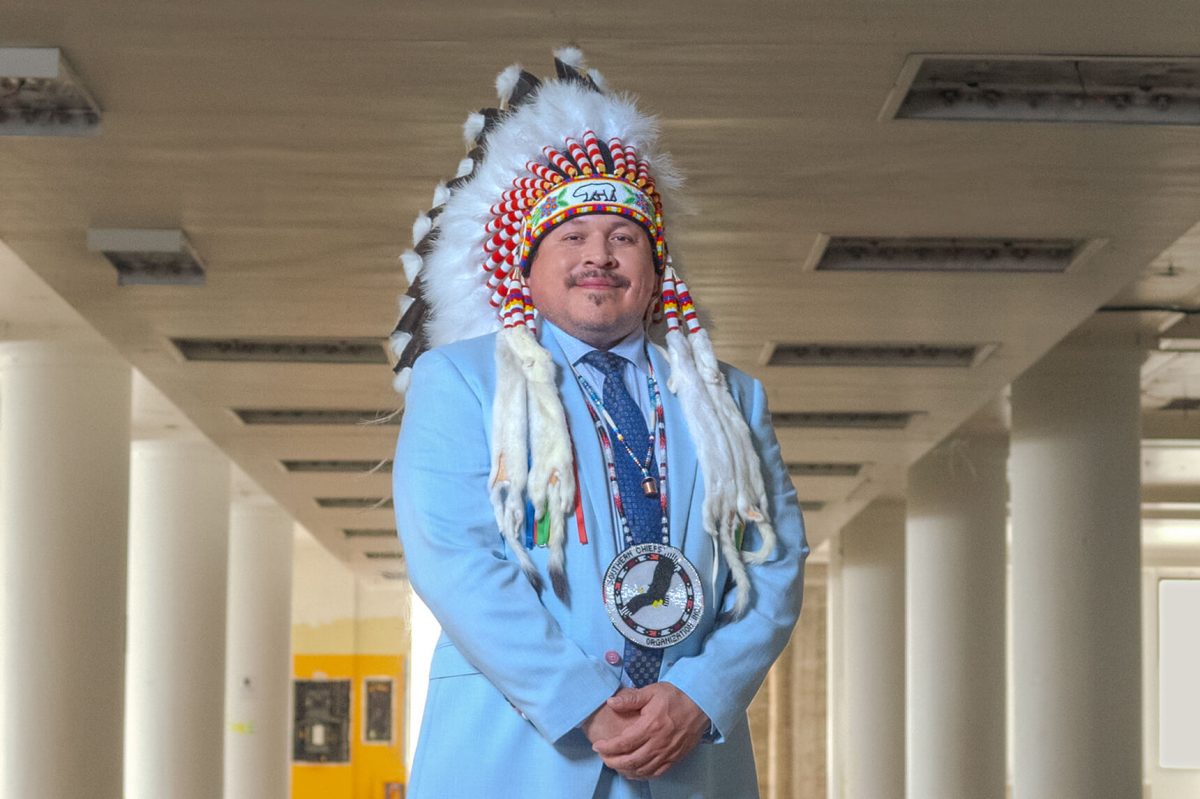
642,513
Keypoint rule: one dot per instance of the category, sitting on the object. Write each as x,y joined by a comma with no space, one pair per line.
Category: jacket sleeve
457,562
725,674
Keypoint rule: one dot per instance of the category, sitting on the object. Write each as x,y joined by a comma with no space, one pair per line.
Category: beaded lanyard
660,434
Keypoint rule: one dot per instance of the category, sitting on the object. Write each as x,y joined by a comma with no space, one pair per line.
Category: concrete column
955,577
809,701
780,763
871,734
64,493
1076,559
178,551
258,656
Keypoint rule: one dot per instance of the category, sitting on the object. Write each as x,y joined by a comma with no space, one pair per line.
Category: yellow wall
371,765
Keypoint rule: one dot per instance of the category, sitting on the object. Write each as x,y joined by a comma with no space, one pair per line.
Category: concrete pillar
1076,559
178,552
64,493
871,682
809,715
779,762
955,578
258,665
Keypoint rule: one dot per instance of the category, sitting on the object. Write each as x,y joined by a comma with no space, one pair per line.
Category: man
605,531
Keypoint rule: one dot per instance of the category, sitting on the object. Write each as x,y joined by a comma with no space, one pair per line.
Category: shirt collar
632,347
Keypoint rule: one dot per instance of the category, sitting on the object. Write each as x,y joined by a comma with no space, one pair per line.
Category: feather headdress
552,150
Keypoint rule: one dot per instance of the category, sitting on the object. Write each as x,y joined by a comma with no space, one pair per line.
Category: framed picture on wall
377,710
321,733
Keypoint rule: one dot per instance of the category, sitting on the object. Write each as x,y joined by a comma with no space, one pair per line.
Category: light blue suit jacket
515,673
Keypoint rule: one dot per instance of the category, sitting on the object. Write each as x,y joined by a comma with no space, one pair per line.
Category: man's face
593,276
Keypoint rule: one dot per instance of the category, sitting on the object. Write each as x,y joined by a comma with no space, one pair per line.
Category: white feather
465,167
398,342
598,79
472,128
506,83
570,55
421,226
440,195
406,301
412,265
402,379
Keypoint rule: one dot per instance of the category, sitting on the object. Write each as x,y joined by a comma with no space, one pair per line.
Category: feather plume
401,380
598,80
472,128
440,195
465,167
421,227
398,341
570,55
506,82
412,265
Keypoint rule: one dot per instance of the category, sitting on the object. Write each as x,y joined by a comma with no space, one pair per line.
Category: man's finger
627,741
627,700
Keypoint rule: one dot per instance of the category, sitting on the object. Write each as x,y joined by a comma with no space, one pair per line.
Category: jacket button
612,658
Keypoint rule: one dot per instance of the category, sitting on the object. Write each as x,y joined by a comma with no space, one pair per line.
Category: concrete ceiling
294,142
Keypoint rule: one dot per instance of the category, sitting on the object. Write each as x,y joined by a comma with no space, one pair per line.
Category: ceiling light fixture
1126,90
40,95
148,257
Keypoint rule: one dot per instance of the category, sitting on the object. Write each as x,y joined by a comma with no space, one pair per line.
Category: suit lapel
682,465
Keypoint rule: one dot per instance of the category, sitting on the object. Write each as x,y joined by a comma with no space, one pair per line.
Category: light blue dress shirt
632,348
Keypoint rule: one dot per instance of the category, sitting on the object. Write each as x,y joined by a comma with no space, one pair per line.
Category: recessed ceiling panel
1034,88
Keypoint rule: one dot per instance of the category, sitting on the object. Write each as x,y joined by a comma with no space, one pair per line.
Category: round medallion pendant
653,595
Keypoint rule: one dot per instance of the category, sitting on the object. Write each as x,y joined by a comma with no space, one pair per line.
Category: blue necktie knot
607,363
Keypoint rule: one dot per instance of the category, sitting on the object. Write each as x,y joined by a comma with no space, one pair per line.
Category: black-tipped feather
425,245
527,84
414,317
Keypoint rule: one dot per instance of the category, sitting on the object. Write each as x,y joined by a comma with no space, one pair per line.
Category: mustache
618,281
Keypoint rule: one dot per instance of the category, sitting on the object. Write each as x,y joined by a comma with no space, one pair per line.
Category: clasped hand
642,732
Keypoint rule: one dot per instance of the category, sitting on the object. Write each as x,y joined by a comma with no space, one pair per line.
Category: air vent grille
863,254
385,555
283,350
824,469
360,503
811,505
364,532
393,575
316,416
878,354
338,466
884,420
1024,88
40,95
